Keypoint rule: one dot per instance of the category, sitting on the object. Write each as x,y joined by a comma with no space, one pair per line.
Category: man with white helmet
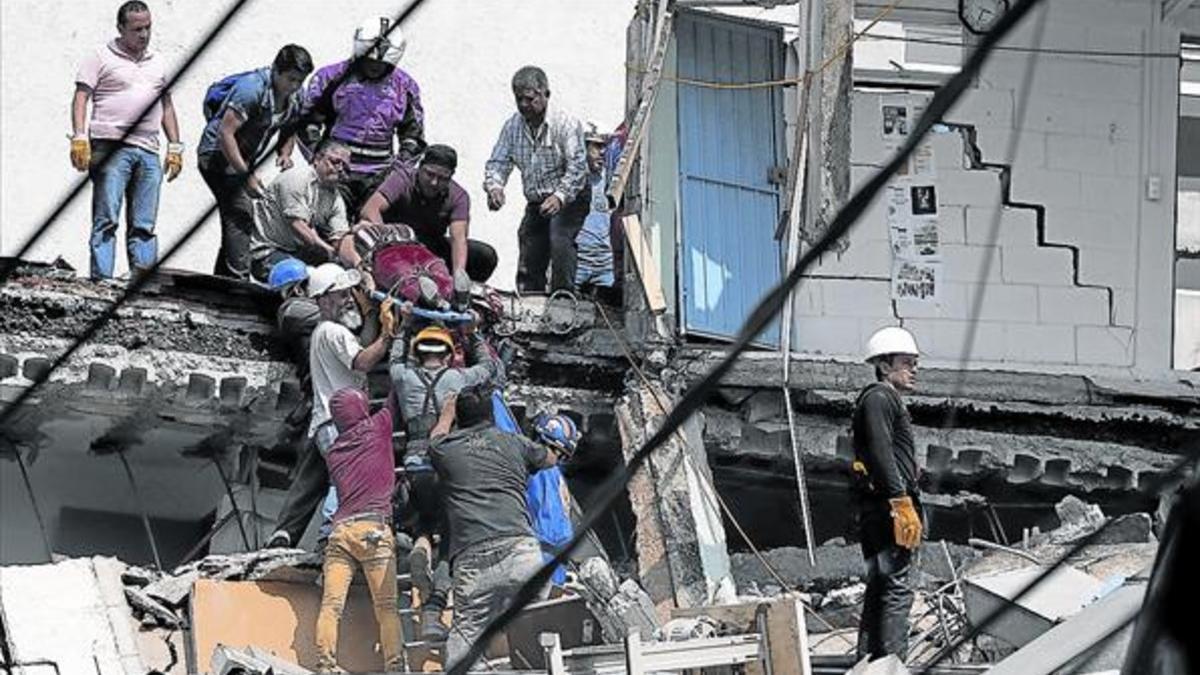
886,474
336,360
369,105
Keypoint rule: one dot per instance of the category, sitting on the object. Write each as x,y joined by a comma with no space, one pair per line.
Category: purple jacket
366,115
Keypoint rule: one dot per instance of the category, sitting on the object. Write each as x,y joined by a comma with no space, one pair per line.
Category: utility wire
140,280
783,82
767,308
1085,53
6,270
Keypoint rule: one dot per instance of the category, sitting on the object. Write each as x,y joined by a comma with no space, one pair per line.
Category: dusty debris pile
159,599
964,588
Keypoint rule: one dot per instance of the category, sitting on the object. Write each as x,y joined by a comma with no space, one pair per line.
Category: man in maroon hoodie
362,469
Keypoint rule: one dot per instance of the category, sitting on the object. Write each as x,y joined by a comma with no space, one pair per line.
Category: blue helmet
557,431
287,272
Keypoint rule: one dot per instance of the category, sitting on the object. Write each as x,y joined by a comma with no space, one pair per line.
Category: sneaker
279,539
432,628
418,568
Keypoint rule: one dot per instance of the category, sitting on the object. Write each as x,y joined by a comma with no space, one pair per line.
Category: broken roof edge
1050,386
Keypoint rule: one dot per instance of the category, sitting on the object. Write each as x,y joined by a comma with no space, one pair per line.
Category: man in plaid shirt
546,145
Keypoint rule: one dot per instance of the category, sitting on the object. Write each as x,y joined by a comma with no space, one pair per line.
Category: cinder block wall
1092,289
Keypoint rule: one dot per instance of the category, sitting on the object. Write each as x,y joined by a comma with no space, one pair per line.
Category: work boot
432,628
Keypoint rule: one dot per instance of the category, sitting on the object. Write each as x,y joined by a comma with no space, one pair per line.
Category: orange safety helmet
433,340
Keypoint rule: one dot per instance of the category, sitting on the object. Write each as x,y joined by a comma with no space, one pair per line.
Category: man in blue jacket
250,108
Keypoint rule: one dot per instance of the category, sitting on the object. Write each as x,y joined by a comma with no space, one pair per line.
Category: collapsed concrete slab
1017,616
72,614
682,558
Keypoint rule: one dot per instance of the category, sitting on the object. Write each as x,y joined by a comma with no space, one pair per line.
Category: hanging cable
710,492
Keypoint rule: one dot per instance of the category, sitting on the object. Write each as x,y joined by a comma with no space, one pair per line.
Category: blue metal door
729,146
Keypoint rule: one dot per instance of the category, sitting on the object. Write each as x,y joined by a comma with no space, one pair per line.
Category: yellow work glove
906,524
81,153
174,163
387,319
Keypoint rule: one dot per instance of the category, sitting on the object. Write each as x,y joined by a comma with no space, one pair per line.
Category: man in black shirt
493,550
295,319
885,471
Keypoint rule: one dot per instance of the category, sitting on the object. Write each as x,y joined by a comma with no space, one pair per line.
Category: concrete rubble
621,607
132,620
960,585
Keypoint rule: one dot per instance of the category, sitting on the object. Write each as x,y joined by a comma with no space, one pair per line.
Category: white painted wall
461,52
1095,129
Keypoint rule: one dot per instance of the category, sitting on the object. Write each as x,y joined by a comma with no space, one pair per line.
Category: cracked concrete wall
1080,275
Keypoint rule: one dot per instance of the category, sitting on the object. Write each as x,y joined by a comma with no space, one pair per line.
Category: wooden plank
281,618
645,263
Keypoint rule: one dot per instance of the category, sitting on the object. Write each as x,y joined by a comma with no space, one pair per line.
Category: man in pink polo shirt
122,79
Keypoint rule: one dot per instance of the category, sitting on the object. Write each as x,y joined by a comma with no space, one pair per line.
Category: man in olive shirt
493,550
886,474
302,214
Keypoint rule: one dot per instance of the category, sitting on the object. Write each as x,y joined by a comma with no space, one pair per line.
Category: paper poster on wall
920,164
894,114
924,200
925,240
914,280
912,221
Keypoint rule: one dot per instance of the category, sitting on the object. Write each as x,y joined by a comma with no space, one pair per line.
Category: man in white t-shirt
336,359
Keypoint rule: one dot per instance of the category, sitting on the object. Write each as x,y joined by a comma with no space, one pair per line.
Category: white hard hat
329,277
890,340
373,39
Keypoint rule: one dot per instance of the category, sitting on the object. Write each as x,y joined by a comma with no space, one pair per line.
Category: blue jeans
486,576
132,175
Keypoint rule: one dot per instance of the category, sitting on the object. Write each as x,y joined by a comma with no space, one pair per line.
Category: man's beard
351,318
